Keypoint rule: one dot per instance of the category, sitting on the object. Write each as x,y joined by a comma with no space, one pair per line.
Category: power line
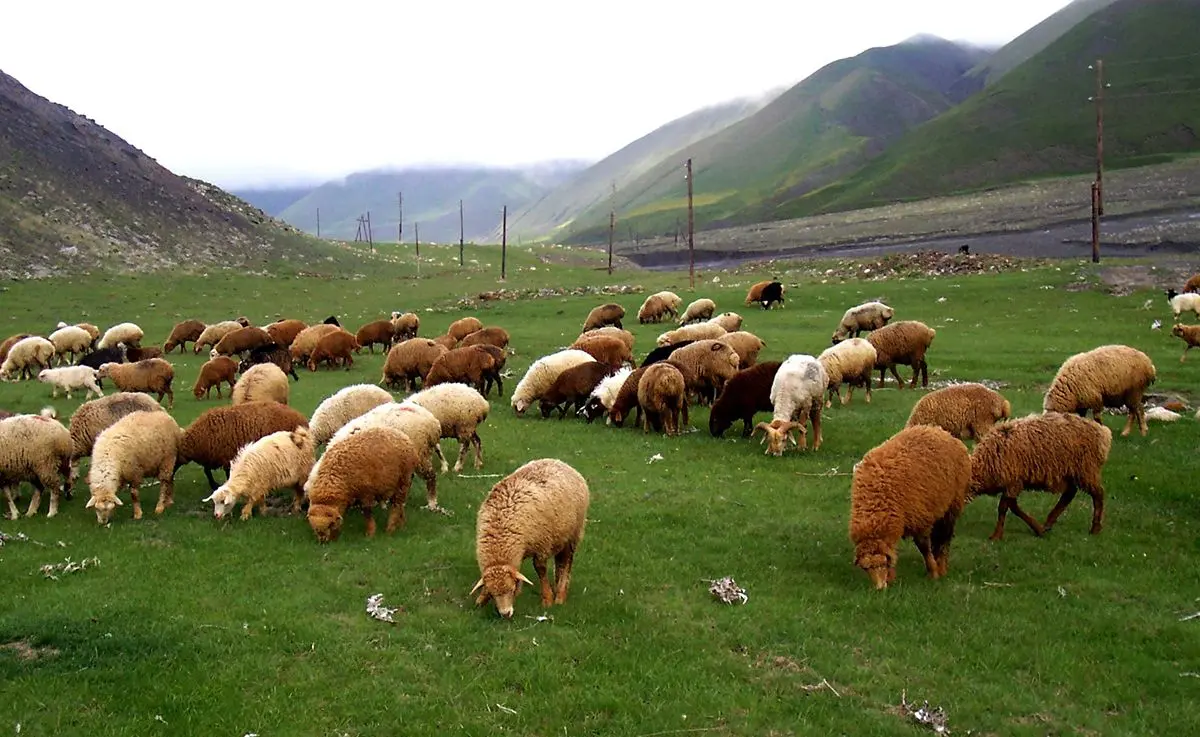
1154,94
1152,60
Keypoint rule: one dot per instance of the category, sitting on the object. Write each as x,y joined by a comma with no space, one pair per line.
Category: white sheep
460,409
70,340
730,321
343,406
262,382
138,444
125,332
701,309
862,318
34,448
69,378
797,394
601,400
541,376
850,362
1180,303
699,331
276,461
25,354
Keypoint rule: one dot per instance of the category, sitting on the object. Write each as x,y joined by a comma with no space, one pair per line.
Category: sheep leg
368,511
1034,525
36,500
396,504
816,424
1097,493
923,545
430,478
943,532
133,494
539,565
12,505
1140,410
464,447
298,488
1001,513
1063,500
478,450
166,490
562,573
212,482
437,448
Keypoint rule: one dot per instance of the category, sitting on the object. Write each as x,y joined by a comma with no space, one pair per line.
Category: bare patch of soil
27,652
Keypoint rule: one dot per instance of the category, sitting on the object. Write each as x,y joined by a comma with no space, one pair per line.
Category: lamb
797,394
706,366
284,332
573,387
699,331
904,342
134,353
9,342
1108,376
264,382
912,485
471,365
658,306
34,448
606,314
342,407
138,444
373,465
1190,335
94,417
746,345
125,332
187,331
754,293
213,373
621,334
487,336
662,396
537,511
606,349
966,411
463,327
379,331
69,378
862,318
747,392
213,334
772,293
405,326
461,410
26,355
1186,302
663,352
70,340
701,309
541,376
333,348
152,376
306,340
239,341
275,461
215,437
271,353
411,360
1056,452
731,321
604,395
850,362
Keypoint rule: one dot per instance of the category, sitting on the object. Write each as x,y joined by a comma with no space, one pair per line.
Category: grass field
192,626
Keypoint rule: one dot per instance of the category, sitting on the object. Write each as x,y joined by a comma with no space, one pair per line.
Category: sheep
125,332
706,365
461,410
541,376
263,382
663,352
213,334
1190,335
849,362
904,342
862,318
237,342
701,309
70,340
748,391
214,438
411,360
91,329
573,387
1108,376
1193,284
621,334
405,326
463,327
343,406
471,365
1055,452
35,448
98,358
658,306
537,511
731,321
9,342
271,353
213,373
798,395
662,396
487,336
699,331
602,397
152,376
283,332
754,293
332,320
446,341
25,355
138,444
379,331
772,293
133,354
183,333
93,417
746,345
606,314
912,485
332,349
373,465
500,356
275,461
966,411
1186,302
70,377
606,349
626,400
306,340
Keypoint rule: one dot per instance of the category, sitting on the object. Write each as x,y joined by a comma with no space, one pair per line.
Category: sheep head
878,560
1171,294
222,500
777,434
501,583
104,371
326,522
213,353
104,506
1176,330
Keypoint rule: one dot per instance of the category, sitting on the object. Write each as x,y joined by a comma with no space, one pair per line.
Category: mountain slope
1037,120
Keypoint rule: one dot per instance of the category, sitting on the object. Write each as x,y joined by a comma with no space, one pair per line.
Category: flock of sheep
913,485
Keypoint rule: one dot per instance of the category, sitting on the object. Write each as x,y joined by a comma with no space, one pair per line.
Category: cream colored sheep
658,306
731,321
69,341
461,410
277,461
798,396
262,382
212,334
862,318
26,355
94,417
746,345
701,309
966,411
126,332
541,376
1108,376
342,407
850,362
136,445
699,331
37,449
69,378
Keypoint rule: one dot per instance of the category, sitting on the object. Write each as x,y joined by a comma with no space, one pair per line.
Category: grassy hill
1037,120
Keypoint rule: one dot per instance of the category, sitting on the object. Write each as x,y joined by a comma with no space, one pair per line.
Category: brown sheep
241,340
214,438
500,356
463,327
152,376
471,366
754,294
408,361
606,349
185,332
572,387
283,332
662,396
373,465
447,341
902,343
1108,376
966,411
747,392
335,348
657,308
624,336
746,345
627,399
9,342
405,326
1190,335
306,340
486,336
606,314
212,334
135,353
263,382
1054,452
213,373
1193,284
379,331
911,485
706,366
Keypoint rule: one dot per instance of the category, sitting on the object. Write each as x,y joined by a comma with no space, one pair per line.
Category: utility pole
400,226
1095,222
612,223
504,245
417,243
1099,100
318,222
461,230
691,231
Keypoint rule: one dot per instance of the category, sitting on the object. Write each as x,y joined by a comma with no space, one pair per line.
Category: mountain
815,133
271,200
1037,119
592,187
431,197
75,197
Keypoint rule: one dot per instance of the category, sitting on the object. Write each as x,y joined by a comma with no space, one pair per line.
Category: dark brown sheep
606,314
183,333
213,373
500,356
902,343
747,392
487,336
378,332
627,400
334,348
283,332
216,436
572,387
134,353
469,366
270,353
242,340
662,396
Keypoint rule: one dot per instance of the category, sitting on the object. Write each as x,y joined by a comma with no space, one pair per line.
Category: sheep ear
90,503
717,346
478,586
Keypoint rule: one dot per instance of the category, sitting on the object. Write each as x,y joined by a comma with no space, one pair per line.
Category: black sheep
269,353
95,359
771,293
332,320
662,353
749,391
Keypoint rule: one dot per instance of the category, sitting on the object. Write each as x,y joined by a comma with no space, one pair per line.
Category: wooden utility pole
612,224
1099,136
318,222
417,243
1096,222
691,231
504,244
370,236
461,231
400,225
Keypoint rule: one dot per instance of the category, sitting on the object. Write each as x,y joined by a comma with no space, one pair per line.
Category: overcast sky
250,92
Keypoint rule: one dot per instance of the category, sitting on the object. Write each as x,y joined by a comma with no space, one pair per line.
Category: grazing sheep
213,334
463,327
701,309
264,382
966,411
94,417
541,376
270,353
500,356
537,511
606,349
747,392
1181,303
138,444
1108,376
1054,452
663,352
26,355
1190,335
471,365
731,321
213,373
798,395
850,362
662,396
98,358
487,336
152,376
658,306
603,396
461,410
408,361
699,331
862,318
91,329
306,340
912,485
37,449
70,340
621,334
706,366
284,332
573,387
626,401
69,378
746,345
379,331
276,461
9,342
771,294
134,353
215,437
342,407
241,340
902,343
447,341
332,349
754,293
125,332
373,465
405,326
606,314
187,331
1193,284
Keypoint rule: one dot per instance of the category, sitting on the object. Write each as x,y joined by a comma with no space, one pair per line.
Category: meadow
194,626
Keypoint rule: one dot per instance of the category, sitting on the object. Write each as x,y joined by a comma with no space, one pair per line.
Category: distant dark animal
270,353
332,320
964,249
662,353
771,293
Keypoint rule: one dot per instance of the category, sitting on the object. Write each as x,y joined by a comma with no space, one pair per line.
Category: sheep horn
90,503
478,585
521,577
